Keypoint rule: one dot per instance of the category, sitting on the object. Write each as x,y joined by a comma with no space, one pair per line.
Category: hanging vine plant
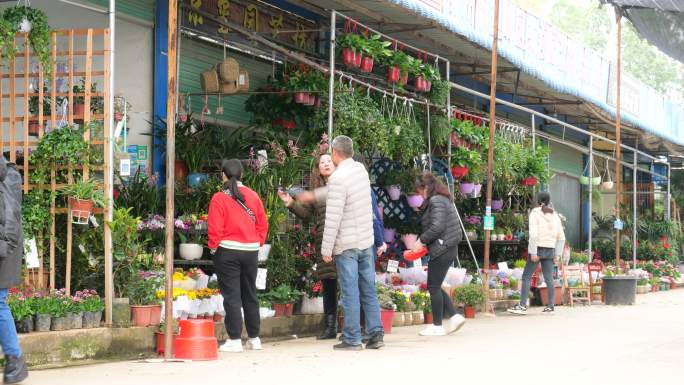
26,19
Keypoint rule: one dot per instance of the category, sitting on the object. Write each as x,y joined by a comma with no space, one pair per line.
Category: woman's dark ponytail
232,169
544,200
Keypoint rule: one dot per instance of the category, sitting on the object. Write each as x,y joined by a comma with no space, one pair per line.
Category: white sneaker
454,323
254,344
231,346
433,330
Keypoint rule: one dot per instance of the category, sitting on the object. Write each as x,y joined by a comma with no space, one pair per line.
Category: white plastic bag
455,276
205,307
312,305
265,312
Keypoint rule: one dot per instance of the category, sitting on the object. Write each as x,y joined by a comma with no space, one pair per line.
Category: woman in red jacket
237,228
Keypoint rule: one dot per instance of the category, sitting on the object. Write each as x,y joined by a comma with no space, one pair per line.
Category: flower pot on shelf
469,312
415,201
190,251
79,110
386,317
145,315
467,188
393,74
420,84
367,64
42,322
389,235
92,319
497,204
180,170
121,312
24,325
348,57
80,210
394,192
197,178
459,172
283,309
409,240
76,320
427,318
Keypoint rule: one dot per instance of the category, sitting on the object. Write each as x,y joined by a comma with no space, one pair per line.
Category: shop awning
661,22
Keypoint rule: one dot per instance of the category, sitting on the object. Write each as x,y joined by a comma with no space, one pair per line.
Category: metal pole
534,147
429,141
109,194
490,152
591,188
448,79
331,82
618,124
668,199
170,177
634,210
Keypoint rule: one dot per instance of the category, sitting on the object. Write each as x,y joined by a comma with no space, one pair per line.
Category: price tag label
418,263
261,278
488,211
392,266
488,222
94,221
618,224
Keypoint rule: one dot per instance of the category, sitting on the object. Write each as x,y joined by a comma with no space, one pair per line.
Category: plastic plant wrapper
381,278
312,305
265,312
455,276
413,275
205,307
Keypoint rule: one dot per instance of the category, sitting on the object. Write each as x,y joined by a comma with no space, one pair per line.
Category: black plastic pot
620,290
25,325
43,322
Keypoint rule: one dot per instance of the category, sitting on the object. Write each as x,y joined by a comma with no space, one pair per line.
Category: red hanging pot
404,79
348,57
301,97
358,58
288,124
459,172
419,83
311,100
393,74
367,64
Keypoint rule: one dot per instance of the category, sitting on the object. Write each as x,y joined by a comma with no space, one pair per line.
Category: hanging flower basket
389,235
409,240
607,185
529,181
467,188
419,83
301,97
80,210
459,172
415,201
404,79
358,58
394,192
367,64
497,204
348,57
393,74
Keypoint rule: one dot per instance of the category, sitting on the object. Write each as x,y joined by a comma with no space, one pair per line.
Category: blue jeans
8,332
356,276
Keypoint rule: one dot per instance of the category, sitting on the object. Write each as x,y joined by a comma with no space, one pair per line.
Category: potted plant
618,289
59,312
42,308
390,231
92,309
96,103
463,159
142,295
34,125
83,195
401,301
409,229
22,18
160,336
470,295
22,311
375,49
283,298
191,236
352,46
398,64
125,238
387,307
392,181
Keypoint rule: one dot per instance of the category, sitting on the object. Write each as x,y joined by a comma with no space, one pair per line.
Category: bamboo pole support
618,147
109,262
27,69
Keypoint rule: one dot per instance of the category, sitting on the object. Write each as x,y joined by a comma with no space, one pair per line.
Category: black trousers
237,271
329,296
441,303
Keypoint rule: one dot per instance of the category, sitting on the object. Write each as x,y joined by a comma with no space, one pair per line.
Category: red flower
666,245
116,194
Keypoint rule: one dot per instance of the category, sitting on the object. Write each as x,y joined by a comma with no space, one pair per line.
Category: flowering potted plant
75,311
145,306
62,304
43,305
419,300
22,311
401,301
191,235
471,295
83,195
387,307
375,49
92,309
352,46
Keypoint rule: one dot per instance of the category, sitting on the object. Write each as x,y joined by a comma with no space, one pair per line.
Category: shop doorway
566,197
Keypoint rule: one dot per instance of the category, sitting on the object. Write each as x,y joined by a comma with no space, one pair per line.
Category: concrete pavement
641,344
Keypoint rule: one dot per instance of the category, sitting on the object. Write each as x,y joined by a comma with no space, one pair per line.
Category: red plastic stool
196,340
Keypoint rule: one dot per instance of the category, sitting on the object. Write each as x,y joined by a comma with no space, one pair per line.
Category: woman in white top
546,246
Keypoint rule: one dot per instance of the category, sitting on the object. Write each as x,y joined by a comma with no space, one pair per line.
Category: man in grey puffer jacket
348,236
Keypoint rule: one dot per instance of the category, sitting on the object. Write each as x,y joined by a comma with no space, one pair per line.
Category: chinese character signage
268,21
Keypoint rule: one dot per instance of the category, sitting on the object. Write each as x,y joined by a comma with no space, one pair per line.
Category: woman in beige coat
546,246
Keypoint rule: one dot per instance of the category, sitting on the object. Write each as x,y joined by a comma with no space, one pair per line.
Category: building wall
133,61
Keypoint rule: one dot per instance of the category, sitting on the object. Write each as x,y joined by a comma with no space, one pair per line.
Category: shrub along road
640,344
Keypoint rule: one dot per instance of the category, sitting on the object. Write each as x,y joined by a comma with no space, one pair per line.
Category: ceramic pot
367,64
394,192
389,235
409,240
190,251
467,188
393,74
469,312
145,315
497,204
283,309
415,201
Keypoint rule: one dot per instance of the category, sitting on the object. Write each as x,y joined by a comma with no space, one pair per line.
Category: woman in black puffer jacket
441,234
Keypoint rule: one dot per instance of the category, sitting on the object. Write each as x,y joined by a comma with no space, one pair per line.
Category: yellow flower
178,276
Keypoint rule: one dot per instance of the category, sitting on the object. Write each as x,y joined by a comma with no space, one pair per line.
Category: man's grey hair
344,146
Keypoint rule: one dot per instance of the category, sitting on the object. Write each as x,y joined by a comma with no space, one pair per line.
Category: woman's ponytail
232,169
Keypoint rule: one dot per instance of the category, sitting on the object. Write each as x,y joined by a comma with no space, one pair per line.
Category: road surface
641,344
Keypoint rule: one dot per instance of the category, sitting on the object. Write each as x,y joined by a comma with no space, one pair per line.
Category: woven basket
243,81
209,80
229,87
229,69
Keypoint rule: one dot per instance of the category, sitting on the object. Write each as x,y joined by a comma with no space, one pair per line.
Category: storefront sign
268,21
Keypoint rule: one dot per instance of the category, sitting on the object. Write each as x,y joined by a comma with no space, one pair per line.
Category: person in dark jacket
314,212
441,235
11,253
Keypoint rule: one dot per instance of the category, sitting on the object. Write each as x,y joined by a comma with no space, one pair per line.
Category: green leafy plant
406,139
140,193
96,103
39,37
85,190
536,164
440,129
92,302
20,306
354,41
35,213
377,48
470,295
284,294
44,304
466,158
142,290
126,241
439,92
